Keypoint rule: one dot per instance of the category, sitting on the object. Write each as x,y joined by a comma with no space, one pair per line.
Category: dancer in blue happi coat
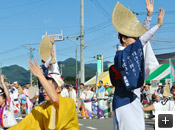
127,74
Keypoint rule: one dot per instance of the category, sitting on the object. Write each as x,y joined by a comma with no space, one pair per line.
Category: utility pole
102,65
1,68
31,49
82,71
76,64
61,68
76,69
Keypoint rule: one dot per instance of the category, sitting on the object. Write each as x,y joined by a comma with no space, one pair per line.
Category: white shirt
14,93
165,105
72,94
89,95
64,93
8,119
83,95
54,67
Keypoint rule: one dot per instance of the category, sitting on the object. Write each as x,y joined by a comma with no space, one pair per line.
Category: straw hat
166,91
20,91
126,22
45,49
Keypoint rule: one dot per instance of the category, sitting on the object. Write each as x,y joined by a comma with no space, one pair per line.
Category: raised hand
2,78
150,7
35,69
52,40
161,16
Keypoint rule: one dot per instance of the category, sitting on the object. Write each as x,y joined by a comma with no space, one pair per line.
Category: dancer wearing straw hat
47,52
127,74
57,113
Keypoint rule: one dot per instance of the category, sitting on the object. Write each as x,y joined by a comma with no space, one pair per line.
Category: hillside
70,65
17,73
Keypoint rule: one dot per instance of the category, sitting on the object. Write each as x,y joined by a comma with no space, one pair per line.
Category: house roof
164,58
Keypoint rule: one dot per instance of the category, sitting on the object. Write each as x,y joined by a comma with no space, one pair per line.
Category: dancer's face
57,89
128,40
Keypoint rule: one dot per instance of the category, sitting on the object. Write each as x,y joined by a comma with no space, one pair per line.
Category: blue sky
24,22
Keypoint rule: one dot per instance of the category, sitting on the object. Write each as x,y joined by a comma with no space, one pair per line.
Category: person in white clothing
15,101
72,93
64,92
128,72
53,68
7,118
88,101
167,104
47,67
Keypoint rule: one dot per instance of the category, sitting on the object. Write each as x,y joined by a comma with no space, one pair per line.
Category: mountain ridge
20,74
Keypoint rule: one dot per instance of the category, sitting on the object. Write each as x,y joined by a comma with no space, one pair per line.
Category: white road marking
80,124
92,128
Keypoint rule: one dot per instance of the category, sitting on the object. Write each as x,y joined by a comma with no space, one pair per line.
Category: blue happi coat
127,74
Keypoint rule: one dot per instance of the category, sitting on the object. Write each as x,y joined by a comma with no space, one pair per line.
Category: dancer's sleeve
46,64
129,66
147,22
161,106
148,35
55,67
33,121
74,120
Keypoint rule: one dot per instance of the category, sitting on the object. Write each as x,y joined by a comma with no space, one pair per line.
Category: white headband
58,79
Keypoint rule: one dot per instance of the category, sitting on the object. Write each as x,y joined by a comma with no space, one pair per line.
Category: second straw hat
45,49
126,22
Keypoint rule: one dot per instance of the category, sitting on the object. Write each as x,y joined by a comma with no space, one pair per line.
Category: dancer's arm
147,36
47,63
149,108
35,69
54,67
5,89
150,8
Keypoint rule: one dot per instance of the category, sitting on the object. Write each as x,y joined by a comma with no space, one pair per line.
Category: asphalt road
106,124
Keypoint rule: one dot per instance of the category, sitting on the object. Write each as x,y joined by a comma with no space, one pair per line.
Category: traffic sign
57,37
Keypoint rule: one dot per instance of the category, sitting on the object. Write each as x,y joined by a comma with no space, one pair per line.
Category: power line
102,38
107,3
163,48
163,41
11,50
99,26
15,57
15,6
24,11
154,13
100,8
